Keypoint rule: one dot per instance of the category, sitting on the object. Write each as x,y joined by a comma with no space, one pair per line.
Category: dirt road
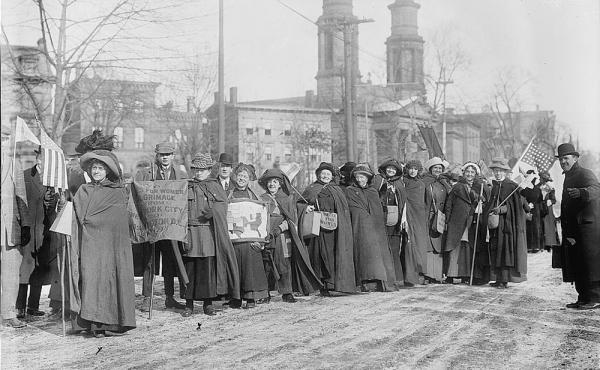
434,326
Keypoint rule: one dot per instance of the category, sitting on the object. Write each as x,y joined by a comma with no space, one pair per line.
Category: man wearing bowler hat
580,220
225,167
161,169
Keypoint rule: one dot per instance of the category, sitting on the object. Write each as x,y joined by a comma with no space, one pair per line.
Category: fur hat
390,162
326,166
245,167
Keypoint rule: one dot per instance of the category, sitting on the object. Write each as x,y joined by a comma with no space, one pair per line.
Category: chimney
233,95
190,104
309,98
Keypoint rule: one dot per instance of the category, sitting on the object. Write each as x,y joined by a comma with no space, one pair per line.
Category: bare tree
307,141
76,36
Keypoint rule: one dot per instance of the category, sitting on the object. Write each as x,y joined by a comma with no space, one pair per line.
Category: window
118,132
267,126
138,106
287,131
268,153
328,46
288,157
139,138
249,131
313,157
267,132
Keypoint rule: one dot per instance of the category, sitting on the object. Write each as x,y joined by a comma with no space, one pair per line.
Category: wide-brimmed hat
202,161
471,164
390,162
346,169
565,149
104,156
325,166
164,148
226,158
501,163
363,169
434,162
275,173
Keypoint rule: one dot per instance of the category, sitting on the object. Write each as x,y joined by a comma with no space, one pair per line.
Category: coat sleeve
591,188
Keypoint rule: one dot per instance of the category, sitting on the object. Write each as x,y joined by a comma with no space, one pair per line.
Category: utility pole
221,144
444,83
348,26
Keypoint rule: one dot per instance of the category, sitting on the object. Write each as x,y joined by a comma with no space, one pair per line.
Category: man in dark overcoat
39,255
580,220
162,169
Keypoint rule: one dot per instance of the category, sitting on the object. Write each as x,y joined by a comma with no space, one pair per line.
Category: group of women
405,225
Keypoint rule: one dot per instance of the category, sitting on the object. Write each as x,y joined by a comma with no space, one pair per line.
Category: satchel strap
433,197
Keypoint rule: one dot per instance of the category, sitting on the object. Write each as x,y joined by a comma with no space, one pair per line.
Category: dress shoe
188,312
264,300
574,304
250,304
170,302
209,310
234,303
145,305
589,306
288,298
325,293
36,312
13,323
98,333
20,313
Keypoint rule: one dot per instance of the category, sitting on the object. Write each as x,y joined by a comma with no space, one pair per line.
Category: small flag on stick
55,169
23,133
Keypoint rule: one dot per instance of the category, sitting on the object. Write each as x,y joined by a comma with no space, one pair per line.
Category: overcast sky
271,52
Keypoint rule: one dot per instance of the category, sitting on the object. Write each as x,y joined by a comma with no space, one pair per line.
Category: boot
170,302
208,308
288,298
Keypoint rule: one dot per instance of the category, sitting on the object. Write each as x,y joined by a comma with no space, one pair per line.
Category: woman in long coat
417,243
254,285
102,246
508,248
372,254
393,196
461,211
291,266
535,232
436,191
331,253
209,258
547,212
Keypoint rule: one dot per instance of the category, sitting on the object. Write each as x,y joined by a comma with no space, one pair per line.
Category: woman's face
241,179
361,180
469,174
273,185
436,170
499,174
413,172
325,176
98,171
201,173
390,171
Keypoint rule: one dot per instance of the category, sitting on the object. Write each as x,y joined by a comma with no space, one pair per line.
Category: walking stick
476,232
153,247
62,282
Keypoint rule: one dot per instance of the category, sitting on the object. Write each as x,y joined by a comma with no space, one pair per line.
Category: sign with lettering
162,209
247,220
329,220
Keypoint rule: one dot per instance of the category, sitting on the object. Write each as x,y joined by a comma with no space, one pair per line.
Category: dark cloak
304,278
101,243
534,230
416,228
228,279
580,218
460,209
508,246
372,255
438,189
343,274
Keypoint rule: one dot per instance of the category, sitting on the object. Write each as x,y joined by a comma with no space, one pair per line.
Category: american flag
55,169
535,157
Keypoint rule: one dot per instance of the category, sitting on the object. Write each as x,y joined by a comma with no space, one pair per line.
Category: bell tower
330,74
405,50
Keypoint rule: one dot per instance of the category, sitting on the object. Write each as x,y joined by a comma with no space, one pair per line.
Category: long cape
304,278
345,280
228,279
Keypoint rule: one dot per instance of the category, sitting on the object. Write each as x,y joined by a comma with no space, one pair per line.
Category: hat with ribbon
105,156
566,149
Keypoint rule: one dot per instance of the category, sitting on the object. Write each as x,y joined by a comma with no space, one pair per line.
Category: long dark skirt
80,324
321,250
395,242
202,273
411,259
254,284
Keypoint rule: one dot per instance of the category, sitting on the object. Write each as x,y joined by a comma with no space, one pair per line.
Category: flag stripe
55,170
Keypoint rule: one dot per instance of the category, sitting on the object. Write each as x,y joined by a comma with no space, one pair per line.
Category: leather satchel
493,221
311,224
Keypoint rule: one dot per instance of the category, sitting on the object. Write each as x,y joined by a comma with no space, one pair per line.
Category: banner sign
162,211
247,220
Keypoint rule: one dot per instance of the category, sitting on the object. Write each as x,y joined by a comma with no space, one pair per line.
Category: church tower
330,72
405,51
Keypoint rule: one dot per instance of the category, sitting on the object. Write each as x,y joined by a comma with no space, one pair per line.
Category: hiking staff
480,206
